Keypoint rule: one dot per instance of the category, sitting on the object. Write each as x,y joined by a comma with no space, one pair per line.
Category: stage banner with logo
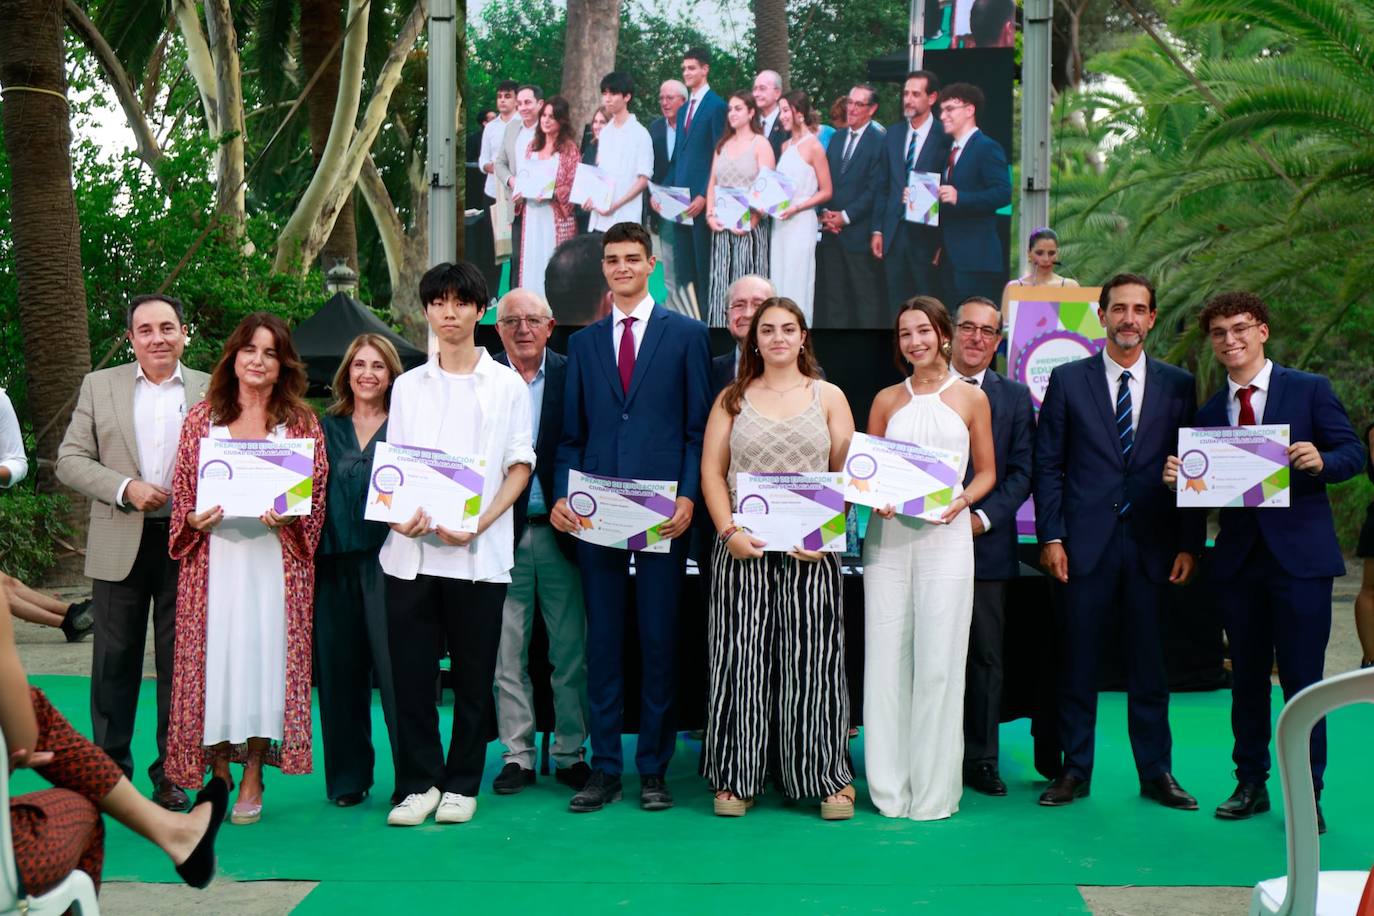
1047,326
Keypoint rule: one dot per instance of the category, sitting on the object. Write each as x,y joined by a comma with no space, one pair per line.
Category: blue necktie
1125,430
911,153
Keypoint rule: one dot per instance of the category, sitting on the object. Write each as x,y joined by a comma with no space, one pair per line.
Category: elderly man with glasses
545,568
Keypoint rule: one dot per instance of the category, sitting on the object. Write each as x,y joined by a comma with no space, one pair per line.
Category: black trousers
983,675
908,269
350,648
121,632
958,285
849,287
423,614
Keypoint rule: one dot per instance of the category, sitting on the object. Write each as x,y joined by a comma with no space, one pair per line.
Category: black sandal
199,868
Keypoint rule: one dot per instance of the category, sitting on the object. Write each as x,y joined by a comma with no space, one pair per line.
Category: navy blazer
932,156
777,137
1013,441
1302,538
1081,479
663,160
722,373
655,432
858,188
695,149
546,439
968,229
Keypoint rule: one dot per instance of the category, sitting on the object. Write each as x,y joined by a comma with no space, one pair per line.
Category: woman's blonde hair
343,392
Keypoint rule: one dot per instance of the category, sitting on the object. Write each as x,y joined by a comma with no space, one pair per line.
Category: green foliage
30,526
832,43
1349,501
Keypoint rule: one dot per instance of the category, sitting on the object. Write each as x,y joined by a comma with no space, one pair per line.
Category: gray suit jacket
506,158
98,452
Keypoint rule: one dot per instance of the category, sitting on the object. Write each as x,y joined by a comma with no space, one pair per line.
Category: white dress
918,603
245,629
793,247
538,238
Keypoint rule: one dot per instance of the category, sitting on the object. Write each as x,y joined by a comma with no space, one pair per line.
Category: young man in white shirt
625,153
445,585
495,131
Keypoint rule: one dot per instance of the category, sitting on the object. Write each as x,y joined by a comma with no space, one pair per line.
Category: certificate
246,477
623,513
786,511
915,480
1233,467
672,202
923,198
591,183
772,192
407,477
732,208
535,179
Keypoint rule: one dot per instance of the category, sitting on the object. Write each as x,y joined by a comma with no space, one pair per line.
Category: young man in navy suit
976,185
849,279
699,124
1272,568
1112,536
915,144
635,405
977,335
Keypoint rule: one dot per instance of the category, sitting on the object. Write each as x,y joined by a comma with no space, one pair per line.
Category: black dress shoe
1166,790
350,799
79,622
1249,799
169,796
512,779
199,868
1321,820
983,777
601,789
654,794
574,777
1063,791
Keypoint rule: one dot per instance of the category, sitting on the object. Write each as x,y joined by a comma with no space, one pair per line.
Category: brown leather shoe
1064,790
171,797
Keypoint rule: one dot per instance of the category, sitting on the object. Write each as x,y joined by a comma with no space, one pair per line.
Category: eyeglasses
969,329
744,306
948,109
855,103
1239,331
510,324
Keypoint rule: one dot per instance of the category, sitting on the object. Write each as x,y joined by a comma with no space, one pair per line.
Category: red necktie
687,123
626,359
949,168
1247,412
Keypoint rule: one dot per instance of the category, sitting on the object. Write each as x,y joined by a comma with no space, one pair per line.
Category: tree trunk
45,231
321,26
770,39
407,253
199,61
230,193
588,55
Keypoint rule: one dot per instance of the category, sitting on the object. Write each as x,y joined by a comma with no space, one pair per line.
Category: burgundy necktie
1247,412
626,359
687,122
949,169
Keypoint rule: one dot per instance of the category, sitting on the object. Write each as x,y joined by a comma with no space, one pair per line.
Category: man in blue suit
915,144
672,95
977,335
1272,569
976,185
699,125
1112,536
849,279
635,405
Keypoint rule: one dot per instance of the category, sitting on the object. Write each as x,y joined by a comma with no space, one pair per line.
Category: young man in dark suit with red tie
1272,569
976,185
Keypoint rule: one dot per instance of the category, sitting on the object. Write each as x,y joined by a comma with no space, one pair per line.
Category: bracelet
728,533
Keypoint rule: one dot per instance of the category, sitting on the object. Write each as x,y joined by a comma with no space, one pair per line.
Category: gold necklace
781,391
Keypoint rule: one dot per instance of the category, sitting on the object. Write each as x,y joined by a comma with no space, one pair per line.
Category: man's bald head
742,300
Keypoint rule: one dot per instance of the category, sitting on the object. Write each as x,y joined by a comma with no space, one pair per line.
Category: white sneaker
456,809
414,809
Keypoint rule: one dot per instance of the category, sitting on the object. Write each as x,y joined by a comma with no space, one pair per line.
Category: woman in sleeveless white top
918,585
792,250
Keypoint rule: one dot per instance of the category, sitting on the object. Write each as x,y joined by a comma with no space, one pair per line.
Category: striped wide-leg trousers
777,693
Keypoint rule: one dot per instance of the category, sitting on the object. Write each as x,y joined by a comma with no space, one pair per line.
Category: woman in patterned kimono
241,682
542,225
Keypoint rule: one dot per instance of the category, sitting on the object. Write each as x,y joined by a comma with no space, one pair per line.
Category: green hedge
30,525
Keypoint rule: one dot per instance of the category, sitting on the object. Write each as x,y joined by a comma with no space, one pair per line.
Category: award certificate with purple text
1233,467
672,202
246,477
787,511
407,477
914,480
620,512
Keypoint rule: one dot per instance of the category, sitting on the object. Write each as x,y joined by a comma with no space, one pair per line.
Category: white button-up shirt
1136,385
641,315
11,443
1258,397
158,412
419,416
625,153
492,135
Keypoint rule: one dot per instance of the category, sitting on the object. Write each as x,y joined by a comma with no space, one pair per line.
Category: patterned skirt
734,256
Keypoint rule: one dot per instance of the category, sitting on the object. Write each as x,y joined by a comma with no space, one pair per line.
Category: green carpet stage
997,855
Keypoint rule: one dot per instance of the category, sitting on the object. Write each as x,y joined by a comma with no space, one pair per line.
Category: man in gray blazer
120,451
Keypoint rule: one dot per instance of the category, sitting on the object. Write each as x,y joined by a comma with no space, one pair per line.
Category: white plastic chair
76,890
1306,890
